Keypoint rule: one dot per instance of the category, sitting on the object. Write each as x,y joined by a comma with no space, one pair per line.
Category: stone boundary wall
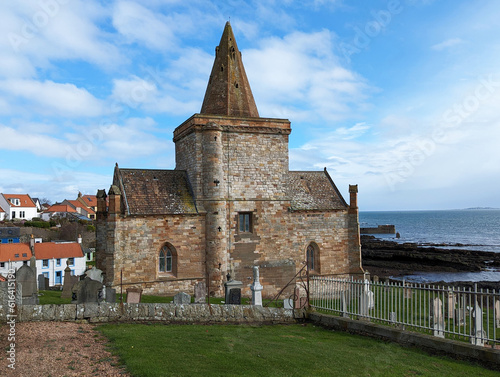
486,356
169,313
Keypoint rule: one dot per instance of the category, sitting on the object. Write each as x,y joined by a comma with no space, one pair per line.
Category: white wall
53,267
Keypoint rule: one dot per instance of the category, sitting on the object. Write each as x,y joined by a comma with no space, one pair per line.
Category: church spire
228,91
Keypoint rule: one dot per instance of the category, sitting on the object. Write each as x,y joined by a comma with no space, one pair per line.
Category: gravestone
288,303
134,295
182,298
68,282
437,317
109,294
300,300
87,291
95,274
459,317
43,283
370,297
200,292
497,313
393,317
256,288
232,297
27,278
451,304
478,333
345,305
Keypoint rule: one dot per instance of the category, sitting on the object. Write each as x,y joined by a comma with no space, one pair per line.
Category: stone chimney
114,199
353,197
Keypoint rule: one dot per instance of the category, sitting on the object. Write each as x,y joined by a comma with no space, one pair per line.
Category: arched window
312,257
166,262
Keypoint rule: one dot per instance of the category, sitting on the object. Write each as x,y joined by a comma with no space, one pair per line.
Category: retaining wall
488,357
169,313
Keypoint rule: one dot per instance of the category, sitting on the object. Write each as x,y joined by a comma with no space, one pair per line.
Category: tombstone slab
25,275
134,295
200,292
87,291
232,296
182,298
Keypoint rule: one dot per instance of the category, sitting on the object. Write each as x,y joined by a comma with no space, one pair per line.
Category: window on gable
245,222
167,260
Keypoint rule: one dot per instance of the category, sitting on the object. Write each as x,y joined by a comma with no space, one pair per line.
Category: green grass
295,350
52,297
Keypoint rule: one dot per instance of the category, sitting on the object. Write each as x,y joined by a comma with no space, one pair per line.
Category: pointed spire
228,91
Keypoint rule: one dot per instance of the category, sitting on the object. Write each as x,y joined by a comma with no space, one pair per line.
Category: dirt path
57,349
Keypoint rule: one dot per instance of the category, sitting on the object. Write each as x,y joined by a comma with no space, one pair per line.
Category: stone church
230,204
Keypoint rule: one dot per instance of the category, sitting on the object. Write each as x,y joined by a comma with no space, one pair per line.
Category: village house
51,258
18,206
230,204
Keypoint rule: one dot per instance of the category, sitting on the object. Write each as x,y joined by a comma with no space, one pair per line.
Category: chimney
114,199
32,244
353,193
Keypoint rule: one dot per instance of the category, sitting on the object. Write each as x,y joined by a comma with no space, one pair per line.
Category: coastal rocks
384,258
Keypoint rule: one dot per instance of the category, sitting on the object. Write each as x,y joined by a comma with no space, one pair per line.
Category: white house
18,206
51,259
13,256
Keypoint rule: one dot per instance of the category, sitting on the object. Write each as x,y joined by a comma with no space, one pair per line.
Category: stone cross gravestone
256,288
87,291
68,282
182,298
27,278
200,292
134,295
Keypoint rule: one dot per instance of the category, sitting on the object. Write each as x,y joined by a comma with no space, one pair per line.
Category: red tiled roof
49,250
60,208
90,200
14,252
79,204
24,200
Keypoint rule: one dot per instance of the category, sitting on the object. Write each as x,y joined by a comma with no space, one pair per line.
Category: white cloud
54,99
301,73
447,44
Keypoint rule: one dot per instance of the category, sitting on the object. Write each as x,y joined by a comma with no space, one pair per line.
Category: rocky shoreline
392,259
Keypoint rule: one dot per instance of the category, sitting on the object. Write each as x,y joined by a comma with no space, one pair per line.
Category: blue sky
400,96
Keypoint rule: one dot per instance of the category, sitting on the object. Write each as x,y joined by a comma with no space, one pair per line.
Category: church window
166,262
312,257
245,222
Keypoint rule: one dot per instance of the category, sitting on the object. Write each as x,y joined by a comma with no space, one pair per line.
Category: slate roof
313,190
14,252
155,192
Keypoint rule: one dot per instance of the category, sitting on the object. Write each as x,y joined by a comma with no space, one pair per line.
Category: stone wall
169,313
135,244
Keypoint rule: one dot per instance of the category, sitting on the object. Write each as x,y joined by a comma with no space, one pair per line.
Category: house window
58,262
25,262
11,240
45,263
13,214
167,260
16,255
245,222
25,255
71,261
312,257
2,264
22,214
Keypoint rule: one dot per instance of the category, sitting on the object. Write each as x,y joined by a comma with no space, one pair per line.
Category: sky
401,97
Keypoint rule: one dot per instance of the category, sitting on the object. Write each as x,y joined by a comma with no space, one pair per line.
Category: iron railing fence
469,314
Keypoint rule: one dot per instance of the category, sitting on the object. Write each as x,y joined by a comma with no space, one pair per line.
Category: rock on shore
387,258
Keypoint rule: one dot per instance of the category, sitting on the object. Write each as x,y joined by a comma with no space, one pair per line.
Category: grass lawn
294,350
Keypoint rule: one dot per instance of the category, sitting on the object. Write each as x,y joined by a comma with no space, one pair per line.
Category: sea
470,229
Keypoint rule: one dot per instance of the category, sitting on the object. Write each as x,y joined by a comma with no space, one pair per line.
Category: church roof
228,92
313,190
155,192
